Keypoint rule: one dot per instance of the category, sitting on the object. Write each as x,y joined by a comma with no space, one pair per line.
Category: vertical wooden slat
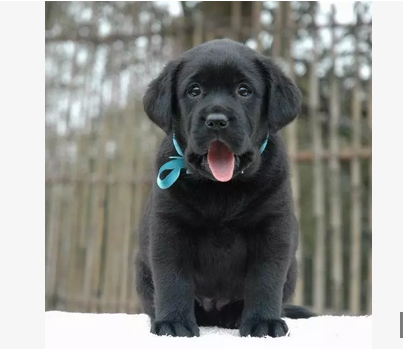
94,250
115,229
356,226
111,281
91,107
111,234
369,287
52,248
140,189
97,195
84,220
198,29
127,263
105,296
83,189
112,241
335,188
210,35
95,246
236,19
75,269
66,192
82,216
292,145
257,7
277,35
319,195
87,222
136,166
74,225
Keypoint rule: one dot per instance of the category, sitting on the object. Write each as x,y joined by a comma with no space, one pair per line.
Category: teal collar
177,164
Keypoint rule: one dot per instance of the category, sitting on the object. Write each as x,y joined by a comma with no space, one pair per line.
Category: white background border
387,173
22,112
22,170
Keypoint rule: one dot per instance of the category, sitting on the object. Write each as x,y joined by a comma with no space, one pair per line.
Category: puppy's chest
220,256
217,206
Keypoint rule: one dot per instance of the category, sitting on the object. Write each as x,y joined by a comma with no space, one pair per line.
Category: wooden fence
98,163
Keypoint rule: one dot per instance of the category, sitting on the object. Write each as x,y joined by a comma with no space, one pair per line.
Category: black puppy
219,234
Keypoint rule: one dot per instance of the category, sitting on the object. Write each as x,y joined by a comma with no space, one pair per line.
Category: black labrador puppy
219,234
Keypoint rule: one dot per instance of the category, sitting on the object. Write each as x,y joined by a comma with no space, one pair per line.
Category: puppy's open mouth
221,161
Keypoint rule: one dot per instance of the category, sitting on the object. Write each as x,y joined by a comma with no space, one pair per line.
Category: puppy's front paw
175,328
263,328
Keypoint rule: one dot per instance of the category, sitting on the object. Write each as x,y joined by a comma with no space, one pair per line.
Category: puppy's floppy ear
160,98
284,97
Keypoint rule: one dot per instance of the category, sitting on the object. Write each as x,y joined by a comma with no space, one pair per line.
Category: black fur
221,253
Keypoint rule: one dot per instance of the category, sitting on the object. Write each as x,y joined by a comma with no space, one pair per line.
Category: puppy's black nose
216,122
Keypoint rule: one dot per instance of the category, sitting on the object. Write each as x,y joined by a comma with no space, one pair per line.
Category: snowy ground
121,331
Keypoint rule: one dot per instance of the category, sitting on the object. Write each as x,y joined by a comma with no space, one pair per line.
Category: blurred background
100,57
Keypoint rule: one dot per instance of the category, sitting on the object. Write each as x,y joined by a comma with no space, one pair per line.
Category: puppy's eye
194,90
244,91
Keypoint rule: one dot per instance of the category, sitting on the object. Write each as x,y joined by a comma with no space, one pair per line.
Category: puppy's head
221,99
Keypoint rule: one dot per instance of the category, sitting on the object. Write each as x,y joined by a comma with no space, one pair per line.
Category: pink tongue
221,161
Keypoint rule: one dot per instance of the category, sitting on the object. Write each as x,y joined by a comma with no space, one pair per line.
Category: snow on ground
121,331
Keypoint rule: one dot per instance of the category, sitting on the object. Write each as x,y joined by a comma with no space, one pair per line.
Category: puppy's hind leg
291,281
145,288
